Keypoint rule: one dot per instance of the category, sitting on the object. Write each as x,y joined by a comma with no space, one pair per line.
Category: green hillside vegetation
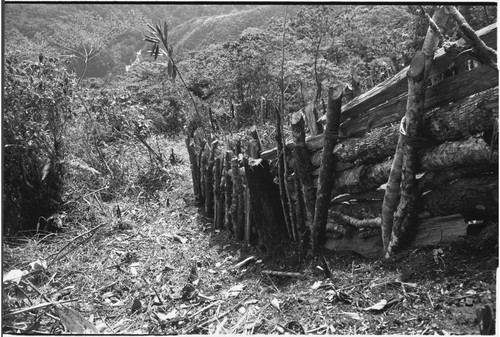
198,33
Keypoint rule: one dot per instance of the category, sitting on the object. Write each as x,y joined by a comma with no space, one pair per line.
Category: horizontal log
369,195
357,209
473,151
458,120
449,90
440,230
435,231
437,179
474,197
398,84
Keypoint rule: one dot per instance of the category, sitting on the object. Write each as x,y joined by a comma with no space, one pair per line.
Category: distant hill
203,31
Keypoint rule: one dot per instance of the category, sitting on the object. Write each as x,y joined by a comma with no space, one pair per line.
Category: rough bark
439,178
404,223
195,170
391,197
360,210
472,151
218,196
325,180
229,192
209,181
265,201
404,216
303,172
358,223
302,229
203,159
450,155
248,215
362,177
458,120
281,174
473,197
237,211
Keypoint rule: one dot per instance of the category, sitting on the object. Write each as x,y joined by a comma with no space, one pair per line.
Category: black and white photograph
249,168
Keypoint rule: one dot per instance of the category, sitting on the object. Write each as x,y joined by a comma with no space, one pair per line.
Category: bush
37,106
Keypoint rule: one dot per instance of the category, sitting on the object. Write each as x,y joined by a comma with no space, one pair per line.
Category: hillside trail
161,269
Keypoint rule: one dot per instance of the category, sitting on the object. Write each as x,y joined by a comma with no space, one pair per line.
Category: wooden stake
237,213
228,219
403,224
325,181
303,172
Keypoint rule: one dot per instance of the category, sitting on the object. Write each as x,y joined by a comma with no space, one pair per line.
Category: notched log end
297,117
336,91
417,65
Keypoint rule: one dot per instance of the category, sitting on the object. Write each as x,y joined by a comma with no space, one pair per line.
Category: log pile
456,165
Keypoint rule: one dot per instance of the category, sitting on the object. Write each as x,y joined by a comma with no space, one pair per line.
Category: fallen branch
72,240
366,223
281,273
244,262
38,306
210,320
204,309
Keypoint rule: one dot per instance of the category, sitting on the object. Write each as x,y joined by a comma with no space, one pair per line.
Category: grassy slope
200,32
139,257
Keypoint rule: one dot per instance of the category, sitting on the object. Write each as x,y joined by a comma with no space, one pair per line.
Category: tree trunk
203,158
229,192
473,197
304,173
391,197
472,151
237,208
430,232
265,201
458,120
281,175
439,178
311,117
302,229
404,216
218,196
327,164
209,182
403,227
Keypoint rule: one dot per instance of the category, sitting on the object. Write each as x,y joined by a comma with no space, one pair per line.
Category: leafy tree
84,35
37,106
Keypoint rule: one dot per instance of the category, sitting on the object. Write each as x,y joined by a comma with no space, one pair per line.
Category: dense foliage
36,109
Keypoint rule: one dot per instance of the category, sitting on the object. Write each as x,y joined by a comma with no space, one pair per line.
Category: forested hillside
198,33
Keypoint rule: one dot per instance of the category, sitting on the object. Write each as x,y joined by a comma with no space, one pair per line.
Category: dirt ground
161,269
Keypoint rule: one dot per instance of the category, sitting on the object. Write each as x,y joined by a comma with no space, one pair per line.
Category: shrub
37,106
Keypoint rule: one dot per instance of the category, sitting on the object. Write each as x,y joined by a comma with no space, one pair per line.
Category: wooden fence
458,174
